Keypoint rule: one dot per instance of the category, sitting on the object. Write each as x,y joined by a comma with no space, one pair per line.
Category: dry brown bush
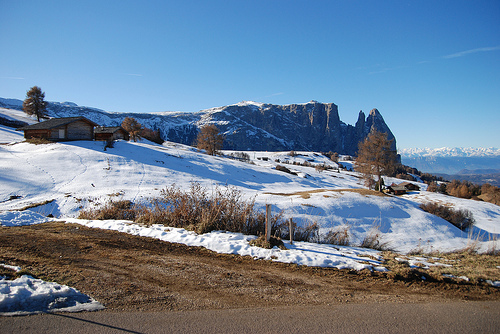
122,209
309,233
338,236
373,240
460,218
195,209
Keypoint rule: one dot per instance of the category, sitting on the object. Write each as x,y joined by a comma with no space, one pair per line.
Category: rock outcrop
310,126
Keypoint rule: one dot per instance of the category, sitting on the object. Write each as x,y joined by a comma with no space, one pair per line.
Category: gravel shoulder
128,273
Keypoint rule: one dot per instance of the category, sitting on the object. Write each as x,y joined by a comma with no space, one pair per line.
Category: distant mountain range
450,152
478,165
311,126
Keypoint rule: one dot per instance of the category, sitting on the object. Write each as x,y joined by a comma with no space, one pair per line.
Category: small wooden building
409,186
106,133
396,190
60,129
402,188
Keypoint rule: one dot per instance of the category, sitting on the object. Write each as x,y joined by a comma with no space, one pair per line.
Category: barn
60,129
110,133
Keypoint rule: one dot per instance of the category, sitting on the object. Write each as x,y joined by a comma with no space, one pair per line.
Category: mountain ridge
450,152
248,125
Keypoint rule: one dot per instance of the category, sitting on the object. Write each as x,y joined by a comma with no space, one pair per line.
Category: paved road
453,317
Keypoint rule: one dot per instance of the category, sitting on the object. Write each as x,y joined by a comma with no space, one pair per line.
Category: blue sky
432,68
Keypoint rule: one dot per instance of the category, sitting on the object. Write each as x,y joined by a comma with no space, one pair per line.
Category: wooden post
290,228
268,222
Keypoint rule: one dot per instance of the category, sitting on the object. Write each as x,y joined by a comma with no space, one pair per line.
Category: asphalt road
452,317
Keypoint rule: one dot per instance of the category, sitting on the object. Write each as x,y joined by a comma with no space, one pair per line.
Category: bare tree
375,157
210,139
133,128
34,103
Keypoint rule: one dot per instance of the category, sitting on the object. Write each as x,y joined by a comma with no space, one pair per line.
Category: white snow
28,295
301,253
17,115
450,152
10,135
20,218
62,178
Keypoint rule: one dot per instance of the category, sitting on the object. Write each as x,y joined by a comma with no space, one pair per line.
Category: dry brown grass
121,209
338,236
476,267
373,240
195,209
460,218
263,243
35,205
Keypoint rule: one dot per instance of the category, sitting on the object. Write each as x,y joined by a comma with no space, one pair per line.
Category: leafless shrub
460,218
201,211
309,233
263,243
38,141
338,236
284,169
373,240
122,209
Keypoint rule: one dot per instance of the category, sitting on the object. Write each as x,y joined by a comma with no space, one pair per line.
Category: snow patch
27,295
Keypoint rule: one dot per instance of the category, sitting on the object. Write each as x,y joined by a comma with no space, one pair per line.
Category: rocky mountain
311,126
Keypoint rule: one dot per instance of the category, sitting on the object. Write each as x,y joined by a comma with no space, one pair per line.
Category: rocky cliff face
309,126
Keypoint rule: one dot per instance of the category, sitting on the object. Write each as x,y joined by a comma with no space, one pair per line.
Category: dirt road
129,273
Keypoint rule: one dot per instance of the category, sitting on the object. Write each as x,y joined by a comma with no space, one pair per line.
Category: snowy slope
77,174
72,175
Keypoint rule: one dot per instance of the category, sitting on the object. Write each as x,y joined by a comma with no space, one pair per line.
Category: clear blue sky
432,68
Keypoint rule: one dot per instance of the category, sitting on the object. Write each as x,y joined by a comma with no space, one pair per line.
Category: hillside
74,175
248,125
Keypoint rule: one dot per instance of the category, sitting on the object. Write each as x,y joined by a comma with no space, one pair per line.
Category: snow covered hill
59,179
68,176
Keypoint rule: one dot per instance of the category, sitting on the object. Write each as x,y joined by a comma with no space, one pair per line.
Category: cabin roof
55,123
108,129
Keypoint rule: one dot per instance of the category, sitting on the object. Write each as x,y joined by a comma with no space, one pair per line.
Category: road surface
452,317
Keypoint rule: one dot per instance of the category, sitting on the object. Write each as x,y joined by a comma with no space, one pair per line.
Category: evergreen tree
209,139
34,103
375,157
133,128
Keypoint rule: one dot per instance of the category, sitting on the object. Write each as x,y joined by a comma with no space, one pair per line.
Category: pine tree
209,139
375,157
133,128
34,103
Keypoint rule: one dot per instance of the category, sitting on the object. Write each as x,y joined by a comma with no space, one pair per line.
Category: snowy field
69,176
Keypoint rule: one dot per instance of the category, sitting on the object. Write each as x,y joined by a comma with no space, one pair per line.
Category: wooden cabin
106,133
396,190
61,129
409,186
402,188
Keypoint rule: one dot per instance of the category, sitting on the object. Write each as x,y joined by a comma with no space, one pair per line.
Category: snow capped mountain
479,165
450,152
247,125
